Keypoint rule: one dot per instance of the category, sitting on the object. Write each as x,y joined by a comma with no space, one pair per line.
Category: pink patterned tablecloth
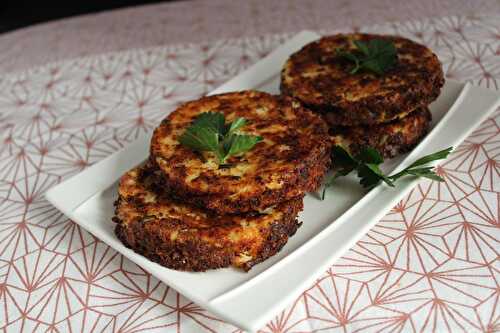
432,264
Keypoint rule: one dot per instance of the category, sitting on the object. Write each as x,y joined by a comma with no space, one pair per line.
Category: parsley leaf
212,120
416,168
367,163
371,175
432,157
344,164
209,132
235,125
370,155
240,143
376,55
200,138
343,160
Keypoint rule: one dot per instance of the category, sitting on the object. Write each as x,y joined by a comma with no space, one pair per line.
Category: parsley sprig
209,132
367,163
377,55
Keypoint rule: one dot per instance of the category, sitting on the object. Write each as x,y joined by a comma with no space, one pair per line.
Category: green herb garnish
209,132
367,162
377,55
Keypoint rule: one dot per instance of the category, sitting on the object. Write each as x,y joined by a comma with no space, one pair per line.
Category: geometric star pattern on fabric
431,264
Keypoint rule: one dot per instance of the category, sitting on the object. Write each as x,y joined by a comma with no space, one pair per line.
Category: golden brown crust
320,79
292,158
182,237
390,139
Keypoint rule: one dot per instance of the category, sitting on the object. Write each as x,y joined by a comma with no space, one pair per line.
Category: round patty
318,77
181,237
291,159
390,139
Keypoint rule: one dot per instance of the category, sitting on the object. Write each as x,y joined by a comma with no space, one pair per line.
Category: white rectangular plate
330,227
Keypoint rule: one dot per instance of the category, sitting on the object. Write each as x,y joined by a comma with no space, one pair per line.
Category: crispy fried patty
181,237
390,139
318,77
292,158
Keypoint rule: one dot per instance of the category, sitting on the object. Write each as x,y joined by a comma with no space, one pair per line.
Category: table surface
200,21
432,264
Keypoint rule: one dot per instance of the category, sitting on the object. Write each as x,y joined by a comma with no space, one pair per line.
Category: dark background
20,13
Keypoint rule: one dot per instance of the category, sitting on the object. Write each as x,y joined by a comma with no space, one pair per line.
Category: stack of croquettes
387,111
186,211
